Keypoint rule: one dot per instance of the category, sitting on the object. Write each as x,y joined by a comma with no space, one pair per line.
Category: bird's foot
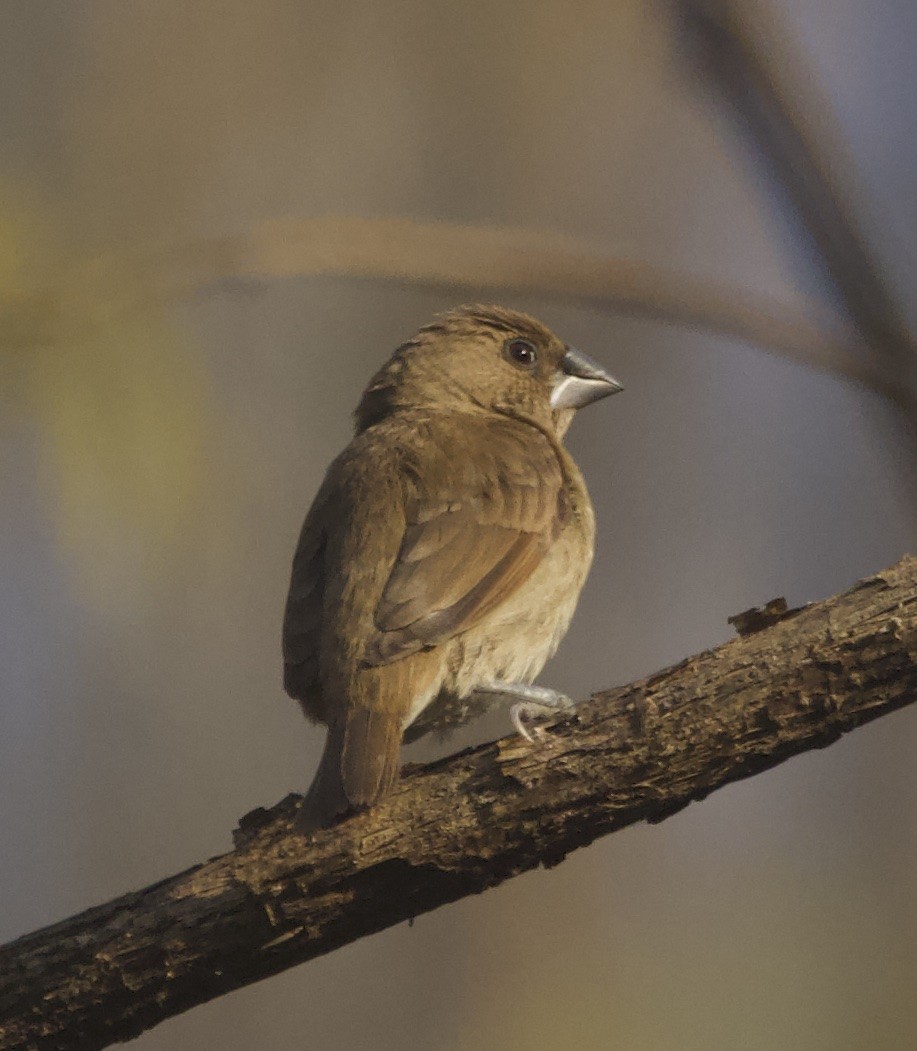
532,702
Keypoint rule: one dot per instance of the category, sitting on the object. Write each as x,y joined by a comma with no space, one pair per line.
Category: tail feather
358,767
326,800
369,761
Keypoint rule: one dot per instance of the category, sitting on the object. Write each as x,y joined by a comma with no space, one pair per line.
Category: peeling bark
456,827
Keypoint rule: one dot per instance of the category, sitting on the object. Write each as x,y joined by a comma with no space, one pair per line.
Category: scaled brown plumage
446,548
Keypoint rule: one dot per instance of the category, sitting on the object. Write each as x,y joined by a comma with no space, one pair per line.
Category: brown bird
442,559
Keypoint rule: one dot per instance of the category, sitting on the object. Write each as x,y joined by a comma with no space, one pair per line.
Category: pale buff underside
538,613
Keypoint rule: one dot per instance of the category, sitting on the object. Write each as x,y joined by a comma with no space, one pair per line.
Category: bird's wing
302,618
480,524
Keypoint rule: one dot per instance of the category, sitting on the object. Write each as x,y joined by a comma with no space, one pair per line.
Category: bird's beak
581,381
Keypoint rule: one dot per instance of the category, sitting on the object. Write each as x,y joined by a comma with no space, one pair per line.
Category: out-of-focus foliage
123,413
122,409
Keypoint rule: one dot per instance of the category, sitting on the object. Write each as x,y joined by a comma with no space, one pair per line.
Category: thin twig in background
456,827
466,259
762,79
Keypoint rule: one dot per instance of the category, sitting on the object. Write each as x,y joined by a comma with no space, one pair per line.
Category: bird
442,558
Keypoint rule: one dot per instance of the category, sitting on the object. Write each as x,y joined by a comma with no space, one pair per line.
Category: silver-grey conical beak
581,381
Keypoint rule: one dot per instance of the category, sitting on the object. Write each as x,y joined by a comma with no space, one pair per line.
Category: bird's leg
531,702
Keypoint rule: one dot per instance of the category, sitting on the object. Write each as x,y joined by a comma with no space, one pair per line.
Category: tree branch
456,827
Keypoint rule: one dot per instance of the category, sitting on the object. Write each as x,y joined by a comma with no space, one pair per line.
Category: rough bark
796,680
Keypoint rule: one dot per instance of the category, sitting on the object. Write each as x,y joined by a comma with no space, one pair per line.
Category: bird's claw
531,702
534,710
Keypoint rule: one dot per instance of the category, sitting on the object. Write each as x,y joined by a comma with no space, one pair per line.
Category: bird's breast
513,643
514,640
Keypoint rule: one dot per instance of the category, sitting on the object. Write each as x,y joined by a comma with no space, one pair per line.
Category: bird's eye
520,352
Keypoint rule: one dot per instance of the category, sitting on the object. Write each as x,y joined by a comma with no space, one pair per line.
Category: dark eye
520,352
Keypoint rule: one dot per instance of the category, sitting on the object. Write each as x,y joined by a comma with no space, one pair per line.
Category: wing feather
466,552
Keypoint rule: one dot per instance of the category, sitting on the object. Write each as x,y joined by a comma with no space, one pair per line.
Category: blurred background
216,221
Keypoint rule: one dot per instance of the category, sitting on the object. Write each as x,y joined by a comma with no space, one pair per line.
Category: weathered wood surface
456,827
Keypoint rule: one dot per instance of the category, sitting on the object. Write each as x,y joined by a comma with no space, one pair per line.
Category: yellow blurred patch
123,411
121,403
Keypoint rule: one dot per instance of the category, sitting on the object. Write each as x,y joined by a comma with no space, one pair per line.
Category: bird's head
487,359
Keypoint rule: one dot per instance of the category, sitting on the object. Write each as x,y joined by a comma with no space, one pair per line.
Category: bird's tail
358,767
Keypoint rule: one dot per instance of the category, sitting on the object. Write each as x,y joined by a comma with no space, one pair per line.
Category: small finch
443,556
